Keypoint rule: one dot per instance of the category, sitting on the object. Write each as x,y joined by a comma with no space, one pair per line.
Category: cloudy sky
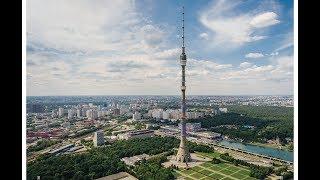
132,47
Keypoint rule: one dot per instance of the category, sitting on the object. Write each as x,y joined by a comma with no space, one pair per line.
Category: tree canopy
103,161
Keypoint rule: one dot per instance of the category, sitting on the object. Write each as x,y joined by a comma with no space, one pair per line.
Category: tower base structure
196,160
183,154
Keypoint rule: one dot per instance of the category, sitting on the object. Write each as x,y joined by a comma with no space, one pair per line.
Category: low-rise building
192,127
136,134
223,110
207,135
130,161
62,149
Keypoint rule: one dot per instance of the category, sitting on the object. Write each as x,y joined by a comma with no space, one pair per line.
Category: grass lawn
227,172
220,171
206,164
207,178
226,178
215,168
238,175
175,174
197,168
233,168
189,171
210,155
197,175
206,172
187,178
245,172
249,178
223,165
216,176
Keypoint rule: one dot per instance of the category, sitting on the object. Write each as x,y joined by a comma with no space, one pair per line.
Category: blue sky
132,47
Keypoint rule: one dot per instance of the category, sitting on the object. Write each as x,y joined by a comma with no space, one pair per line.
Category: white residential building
71,113
166,115
136,116
89,114
223,110
79,115
61,112
124,110
98,138
157,113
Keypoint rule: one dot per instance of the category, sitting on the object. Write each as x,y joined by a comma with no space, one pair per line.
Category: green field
222,171
210,155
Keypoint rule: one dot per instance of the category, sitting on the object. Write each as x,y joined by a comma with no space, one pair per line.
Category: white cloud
233,29
92,43
80,25
170,53
253,72
86,47
273,78
264,20
286,43
245,65
204,36
254,55
206,64
281,68
152,36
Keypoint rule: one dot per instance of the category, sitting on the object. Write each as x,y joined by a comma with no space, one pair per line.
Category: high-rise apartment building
98,138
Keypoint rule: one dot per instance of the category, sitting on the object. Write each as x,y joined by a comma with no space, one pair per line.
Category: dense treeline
282,126
216,161
246,134
103,161
287,175
98,162
42,144
152,169
199,147
264,129
256,171
152,145
53,125
264,112
231,119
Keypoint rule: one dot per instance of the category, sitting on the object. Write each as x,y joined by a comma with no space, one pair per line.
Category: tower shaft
183,154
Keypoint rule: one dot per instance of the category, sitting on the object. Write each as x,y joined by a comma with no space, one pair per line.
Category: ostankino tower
183,154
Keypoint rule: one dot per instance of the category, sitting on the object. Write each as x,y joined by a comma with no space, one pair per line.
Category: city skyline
90,48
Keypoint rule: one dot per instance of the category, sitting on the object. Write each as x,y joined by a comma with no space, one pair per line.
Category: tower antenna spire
183,27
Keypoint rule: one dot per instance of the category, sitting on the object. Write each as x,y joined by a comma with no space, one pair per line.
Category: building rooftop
140,132
132,160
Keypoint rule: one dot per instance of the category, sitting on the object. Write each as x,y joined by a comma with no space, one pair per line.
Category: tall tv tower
183,154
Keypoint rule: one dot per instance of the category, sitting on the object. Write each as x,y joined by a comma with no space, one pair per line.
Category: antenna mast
183,29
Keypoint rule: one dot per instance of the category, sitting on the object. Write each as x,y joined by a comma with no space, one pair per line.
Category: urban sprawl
74,125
